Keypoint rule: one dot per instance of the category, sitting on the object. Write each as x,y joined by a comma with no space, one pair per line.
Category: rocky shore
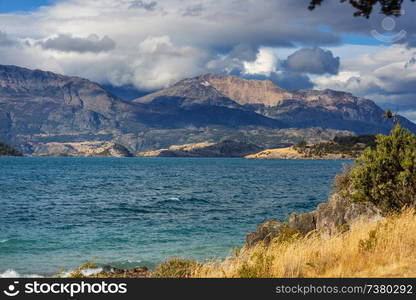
328,218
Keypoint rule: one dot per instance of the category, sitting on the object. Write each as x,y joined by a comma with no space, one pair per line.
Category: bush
386,175
7,150
258,265
176,268
301,145
342,181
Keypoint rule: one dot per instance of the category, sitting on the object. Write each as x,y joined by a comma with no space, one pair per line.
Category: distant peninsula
346,147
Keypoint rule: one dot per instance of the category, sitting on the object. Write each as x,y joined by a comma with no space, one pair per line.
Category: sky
151,44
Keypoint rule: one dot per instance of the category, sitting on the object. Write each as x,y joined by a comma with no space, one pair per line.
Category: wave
4,241
13,274
85,272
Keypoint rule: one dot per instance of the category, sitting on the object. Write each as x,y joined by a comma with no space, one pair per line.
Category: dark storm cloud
144,5
292,81
286,80
313,61
67,43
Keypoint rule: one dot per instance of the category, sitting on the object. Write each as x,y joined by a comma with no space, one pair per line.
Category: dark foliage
7,150
364,8
386,175
348,146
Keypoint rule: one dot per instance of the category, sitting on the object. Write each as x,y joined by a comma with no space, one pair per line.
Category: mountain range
39,107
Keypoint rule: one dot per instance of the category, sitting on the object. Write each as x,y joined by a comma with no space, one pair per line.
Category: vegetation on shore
7,150
346,146
386,175
340,147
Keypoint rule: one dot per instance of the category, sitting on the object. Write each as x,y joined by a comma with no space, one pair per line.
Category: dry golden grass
383,249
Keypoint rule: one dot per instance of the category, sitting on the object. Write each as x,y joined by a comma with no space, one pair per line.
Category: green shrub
301,145
176,268
342,181
7,150
386,175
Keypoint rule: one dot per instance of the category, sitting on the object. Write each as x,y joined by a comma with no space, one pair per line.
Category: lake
60,212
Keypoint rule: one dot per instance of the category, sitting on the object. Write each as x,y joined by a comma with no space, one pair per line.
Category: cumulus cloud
152,44
387,77
159,62
208,36
264,64
68,43
313,61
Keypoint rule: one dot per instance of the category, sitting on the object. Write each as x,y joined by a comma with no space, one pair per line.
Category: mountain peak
239,90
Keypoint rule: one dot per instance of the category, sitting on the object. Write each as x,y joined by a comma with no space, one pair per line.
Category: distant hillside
38,108
83,149
299,109
226,148
7,150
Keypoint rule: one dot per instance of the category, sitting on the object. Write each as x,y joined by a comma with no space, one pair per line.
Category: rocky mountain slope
38,107
299,109
227,148
82,149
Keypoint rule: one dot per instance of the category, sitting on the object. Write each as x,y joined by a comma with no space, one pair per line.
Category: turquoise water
60,212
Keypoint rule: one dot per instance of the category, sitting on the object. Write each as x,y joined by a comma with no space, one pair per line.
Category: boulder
302,222
338,211
265,232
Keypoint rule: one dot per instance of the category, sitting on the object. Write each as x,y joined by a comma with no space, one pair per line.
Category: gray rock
302,222
328,219
338,211
265,232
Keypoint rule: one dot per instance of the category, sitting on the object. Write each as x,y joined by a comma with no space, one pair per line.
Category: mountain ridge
300,109
39,107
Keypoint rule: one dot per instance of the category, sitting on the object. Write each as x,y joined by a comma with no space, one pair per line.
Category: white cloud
202,36
264,64
159,62
387,77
